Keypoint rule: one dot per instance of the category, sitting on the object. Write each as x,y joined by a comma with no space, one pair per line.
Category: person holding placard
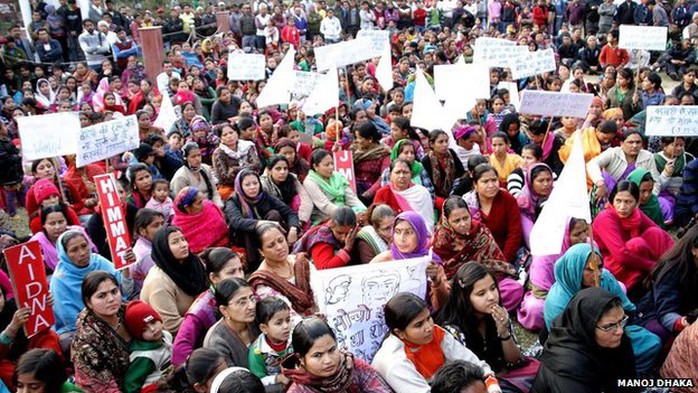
13,341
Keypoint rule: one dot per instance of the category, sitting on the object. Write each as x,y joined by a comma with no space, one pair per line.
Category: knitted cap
43,189
138,315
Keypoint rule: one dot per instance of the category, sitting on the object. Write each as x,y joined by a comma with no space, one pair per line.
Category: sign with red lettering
28,272
114,219
344,164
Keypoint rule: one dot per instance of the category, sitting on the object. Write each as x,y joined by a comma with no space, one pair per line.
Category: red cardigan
504,221
627,266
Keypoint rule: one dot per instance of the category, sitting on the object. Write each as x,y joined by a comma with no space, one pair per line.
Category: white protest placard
352,299
554,104
529,63
304,82
380,47
276,91
246,67
459,78
103,140
513,90
49,135
379,40
325,95
343,53
491,41
672,120
643,37
497,56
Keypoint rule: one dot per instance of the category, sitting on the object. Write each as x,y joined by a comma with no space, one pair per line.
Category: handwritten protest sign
352,299
643,37
103,140
460,78
527,64
379,41
344,164
513,90
246,67
547,103
28,272
342,53
497,55
672,121
49,135
114,219
304,83
380,47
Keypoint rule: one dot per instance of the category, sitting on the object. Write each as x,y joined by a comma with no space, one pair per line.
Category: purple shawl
246,202
417,222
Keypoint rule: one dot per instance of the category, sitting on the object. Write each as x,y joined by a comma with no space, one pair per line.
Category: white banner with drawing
48,135
246,67
672,121
553,104
643,37
103,140
352,299
528,64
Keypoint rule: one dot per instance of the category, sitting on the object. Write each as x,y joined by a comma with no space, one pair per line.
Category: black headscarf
189,275
572,352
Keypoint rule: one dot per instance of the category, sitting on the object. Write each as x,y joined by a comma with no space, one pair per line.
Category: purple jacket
201,316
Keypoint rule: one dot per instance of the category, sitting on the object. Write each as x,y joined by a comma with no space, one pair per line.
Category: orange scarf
427,359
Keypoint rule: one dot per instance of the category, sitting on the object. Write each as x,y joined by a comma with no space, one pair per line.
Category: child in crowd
161,200
272,346
151,348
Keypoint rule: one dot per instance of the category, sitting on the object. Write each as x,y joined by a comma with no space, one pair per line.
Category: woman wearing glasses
587,350
233,334
579,269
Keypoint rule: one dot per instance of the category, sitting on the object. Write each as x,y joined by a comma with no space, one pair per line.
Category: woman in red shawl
202,221
459,239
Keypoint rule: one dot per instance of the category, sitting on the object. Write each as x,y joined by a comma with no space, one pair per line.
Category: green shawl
334,188
417,166
679,164
651,208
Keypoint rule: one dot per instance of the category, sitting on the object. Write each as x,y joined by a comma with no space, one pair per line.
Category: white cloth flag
384,70
277,89
427,111
325,95
167,115
568,199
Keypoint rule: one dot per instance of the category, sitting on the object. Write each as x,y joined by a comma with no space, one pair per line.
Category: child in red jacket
290,34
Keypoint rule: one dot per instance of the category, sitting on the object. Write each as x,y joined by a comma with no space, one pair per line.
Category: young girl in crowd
161,200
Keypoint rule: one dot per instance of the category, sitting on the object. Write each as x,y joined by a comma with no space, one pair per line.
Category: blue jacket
66,286
687,199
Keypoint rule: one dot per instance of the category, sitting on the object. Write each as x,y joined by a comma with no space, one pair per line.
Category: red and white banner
28,272
114,219
344,164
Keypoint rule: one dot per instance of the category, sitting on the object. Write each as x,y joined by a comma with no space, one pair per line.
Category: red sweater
504,221
291,35
324,257
627,266
616,56
540,15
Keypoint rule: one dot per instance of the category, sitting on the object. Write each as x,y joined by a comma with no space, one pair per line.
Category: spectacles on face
613,326
243,302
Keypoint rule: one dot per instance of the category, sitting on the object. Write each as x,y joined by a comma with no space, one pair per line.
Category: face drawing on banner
381,287
338,289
